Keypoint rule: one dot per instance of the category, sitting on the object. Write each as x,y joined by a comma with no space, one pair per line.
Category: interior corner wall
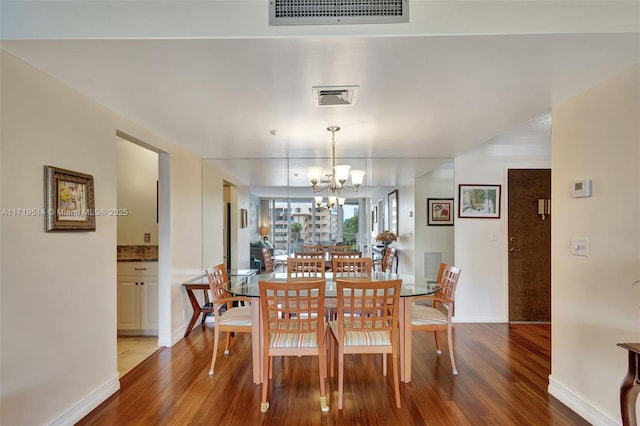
44,122
433,239
596,135
212,216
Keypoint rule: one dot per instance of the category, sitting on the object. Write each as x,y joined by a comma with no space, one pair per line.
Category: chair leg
451,355
332,355
340,376
226,351
264,404
322,367
437,337
216,339
396,382
384,365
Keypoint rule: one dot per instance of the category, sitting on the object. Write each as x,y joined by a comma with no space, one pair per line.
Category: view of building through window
295,222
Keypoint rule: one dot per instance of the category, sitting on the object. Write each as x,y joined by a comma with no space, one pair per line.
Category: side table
630,386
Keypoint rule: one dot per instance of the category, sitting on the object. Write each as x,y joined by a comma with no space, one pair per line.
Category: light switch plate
580,247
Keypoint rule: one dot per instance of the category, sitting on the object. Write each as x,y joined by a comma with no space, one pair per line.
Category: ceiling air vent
335,12
334,95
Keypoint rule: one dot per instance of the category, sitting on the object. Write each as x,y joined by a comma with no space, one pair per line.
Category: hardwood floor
503,381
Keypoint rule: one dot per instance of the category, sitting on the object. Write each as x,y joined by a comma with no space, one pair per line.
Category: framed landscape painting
439,211
479,201
69,200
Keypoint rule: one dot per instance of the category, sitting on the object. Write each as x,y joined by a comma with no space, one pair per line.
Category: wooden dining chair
293,325
336,250
438,316
347,266
388,260
269,264
367,323
227,318
312,248
305,268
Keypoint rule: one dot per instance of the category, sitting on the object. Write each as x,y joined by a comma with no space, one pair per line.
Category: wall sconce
544,208
264,232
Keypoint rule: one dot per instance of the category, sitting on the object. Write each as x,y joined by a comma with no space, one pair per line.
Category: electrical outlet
147,238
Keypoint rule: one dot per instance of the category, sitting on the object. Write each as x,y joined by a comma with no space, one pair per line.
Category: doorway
137,285
529,246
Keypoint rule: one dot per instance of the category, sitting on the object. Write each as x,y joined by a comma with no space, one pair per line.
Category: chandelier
335,180
331,201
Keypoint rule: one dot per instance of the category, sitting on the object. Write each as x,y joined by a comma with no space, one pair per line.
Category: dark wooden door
529,246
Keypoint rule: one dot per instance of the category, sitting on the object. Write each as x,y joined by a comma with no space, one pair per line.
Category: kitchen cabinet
138,298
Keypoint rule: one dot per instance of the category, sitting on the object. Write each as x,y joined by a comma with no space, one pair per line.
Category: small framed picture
479,201
69,200
243,218
439,211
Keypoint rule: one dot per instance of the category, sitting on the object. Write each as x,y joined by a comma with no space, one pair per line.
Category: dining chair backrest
388,260
309,254
351,254
448,284
312,248
217,276
343,267
368,305
293,308
305,268
269,264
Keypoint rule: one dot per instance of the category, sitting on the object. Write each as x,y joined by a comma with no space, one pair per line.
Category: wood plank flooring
503,380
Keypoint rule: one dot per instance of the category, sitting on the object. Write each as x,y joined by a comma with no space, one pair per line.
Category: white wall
137,169
482,293
63,360
596,135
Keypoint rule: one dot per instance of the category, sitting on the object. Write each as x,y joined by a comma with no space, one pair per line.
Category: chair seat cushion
426,315
237,316
362,338
294,340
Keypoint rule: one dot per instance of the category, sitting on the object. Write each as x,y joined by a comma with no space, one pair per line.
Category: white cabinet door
149,305
128,303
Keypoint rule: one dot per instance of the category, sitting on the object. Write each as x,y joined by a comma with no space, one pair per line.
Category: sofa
256,250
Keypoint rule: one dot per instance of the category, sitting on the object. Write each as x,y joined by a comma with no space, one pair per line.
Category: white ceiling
422,99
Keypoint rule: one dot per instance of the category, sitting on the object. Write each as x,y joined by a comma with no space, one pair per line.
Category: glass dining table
412,285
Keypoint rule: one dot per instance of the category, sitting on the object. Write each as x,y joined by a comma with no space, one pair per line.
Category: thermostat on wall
581,188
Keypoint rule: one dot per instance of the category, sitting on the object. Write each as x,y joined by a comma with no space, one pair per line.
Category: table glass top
412,285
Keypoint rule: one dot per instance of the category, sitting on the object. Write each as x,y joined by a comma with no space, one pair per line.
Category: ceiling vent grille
332,12
329,96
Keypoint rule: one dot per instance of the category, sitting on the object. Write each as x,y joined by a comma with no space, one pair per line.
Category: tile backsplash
137,253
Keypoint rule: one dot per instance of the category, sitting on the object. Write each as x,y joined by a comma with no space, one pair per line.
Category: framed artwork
69,201
392,204
381,214
243,218
253,218
374,217
479,201
439,211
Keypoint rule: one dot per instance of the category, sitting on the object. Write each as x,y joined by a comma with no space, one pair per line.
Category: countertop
132,253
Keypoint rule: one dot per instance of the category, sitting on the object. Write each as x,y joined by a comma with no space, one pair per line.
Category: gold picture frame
69,200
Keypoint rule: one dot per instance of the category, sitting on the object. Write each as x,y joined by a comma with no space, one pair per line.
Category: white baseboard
89,403
582,407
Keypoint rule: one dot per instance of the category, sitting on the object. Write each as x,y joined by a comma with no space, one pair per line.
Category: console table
630,386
